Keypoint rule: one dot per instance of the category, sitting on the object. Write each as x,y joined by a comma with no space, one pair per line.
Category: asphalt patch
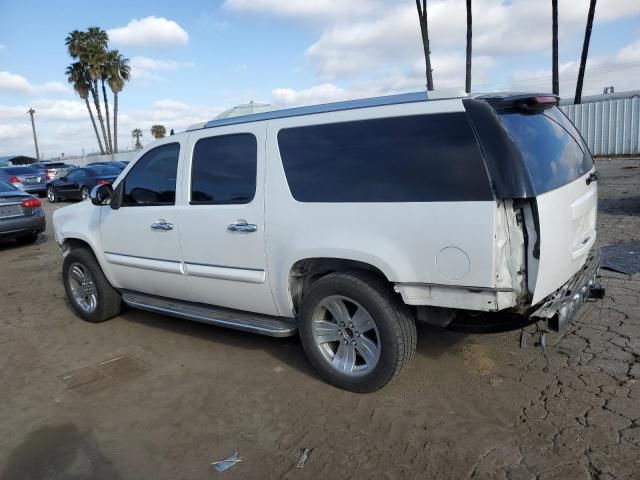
622,257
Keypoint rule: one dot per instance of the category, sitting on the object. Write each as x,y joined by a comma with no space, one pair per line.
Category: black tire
393,320
109,302
51,195
27,239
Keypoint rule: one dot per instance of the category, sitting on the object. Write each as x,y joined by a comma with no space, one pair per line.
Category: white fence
609,126
122,156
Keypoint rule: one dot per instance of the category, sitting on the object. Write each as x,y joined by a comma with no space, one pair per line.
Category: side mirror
101,194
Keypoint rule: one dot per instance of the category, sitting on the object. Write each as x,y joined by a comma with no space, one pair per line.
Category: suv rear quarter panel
443,243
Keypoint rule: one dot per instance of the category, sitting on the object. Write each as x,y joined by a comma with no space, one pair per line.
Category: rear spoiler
530,102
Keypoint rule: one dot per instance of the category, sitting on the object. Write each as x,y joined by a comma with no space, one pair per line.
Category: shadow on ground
60,451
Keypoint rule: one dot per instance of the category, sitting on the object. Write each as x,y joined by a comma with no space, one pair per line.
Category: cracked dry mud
468,406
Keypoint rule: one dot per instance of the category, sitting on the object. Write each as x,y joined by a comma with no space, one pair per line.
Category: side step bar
224,317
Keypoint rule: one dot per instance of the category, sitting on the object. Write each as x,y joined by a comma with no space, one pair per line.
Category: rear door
563,176
222,225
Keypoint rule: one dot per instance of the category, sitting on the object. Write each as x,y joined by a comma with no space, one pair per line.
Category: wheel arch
306,271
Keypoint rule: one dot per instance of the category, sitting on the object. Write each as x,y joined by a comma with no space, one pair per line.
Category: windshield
552,148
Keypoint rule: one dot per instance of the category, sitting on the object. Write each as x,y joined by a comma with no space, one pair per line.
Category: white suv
346,222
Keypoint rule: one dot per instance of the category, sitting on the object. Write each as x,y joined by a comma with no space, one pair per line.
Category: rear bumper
15,227
560,307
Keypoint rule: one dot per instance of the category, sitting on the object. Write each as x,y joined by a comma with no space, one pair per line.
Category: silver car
26,178
21,214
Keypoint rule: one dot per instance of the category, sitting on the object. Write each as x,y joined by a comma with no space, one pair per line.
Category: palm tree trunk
555,81
96,101
115,122
467,79
585,51
106,111
93,122
424,30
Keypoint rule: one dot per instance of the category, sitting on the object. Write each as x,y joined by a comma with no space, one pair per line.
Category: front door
222,230
141,239
69,186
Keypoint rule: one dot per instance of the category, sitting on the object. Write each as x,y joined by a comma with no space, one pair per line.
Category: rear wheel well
304,273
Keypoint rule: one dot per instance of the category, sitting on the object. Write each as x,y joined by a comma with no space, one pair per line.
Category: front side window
223,170
152,180
77,175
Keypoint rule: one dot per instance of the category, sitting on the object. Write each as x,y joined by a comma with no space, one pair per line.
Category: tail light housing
31,203
50,176
14,179
102,181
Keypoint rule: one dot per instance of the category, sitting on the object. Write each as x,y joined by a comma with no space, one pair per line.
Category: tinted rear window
106,171
19,170
552,148
7,187
422,158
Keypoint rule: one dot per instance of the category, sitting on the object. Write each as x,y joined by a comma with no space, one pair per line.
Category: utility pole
31,111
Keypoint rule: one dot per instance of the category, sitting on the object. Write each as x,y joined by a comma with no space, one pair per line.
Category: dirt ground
150,397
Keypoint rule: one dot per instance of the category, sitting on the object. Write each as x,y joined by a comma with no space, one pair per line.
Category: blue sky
192,59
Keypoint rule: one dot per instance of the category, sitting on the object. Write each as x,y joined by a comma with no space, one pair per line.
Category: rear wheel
84,193
355,331
88,290
51,195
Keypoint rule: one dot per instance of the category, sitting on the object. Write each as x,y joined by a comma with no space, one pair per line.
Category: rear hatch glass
551,147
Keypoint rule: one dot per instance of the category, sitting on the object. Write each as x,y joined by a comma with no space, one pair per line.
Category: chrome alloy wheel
51,196
346,335
85,193
83,289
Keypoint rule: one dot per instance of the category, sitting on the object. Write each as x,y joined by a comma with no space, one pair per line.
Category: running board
224,317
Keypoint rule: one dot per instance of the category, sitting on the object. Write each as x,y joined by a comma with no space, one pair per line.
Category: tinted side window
422,158
224,169
77,175
152,180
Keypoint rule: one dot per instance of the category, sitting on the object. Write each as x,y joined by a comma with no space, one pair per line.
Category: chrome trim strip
233,274
442,285
157,265
224,266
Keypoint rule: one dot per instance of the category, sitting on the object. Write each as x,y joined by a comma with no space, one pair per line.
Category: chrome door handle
242,226
162,225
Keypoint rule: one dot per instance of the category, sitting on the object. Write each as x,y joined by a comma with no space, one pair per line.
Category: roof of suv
334,107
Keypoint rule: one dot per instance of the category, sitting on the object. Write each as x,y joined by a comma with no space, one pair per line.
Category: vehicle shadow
619,206
288,350
7,244
60,451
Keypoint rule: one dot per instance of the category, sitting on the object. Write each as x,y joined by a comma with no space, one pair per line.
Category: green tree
158,131
137,133
77,76
90,50
118,72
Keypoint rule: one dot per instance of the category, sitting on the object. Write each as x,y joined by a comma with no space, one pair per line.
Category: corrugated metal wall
610,127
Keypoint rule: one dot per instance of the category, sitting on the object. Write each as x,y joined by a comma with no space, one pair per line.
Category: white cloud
147,69
149,32
14,83
327,92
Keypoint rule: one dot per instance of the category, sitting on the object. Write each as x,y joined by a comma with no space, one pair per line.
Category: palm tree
158,131
585,51
118,73
424,30
90,48
555,82
467,79
137,133
76,75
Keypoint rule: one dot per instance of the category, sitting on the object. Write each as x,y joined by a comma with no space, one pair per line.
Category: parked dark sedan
27,178
21,215
78,183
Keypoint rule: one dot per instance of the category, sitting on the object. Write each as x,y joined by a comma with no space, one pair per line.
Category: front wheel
88,290
355,331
